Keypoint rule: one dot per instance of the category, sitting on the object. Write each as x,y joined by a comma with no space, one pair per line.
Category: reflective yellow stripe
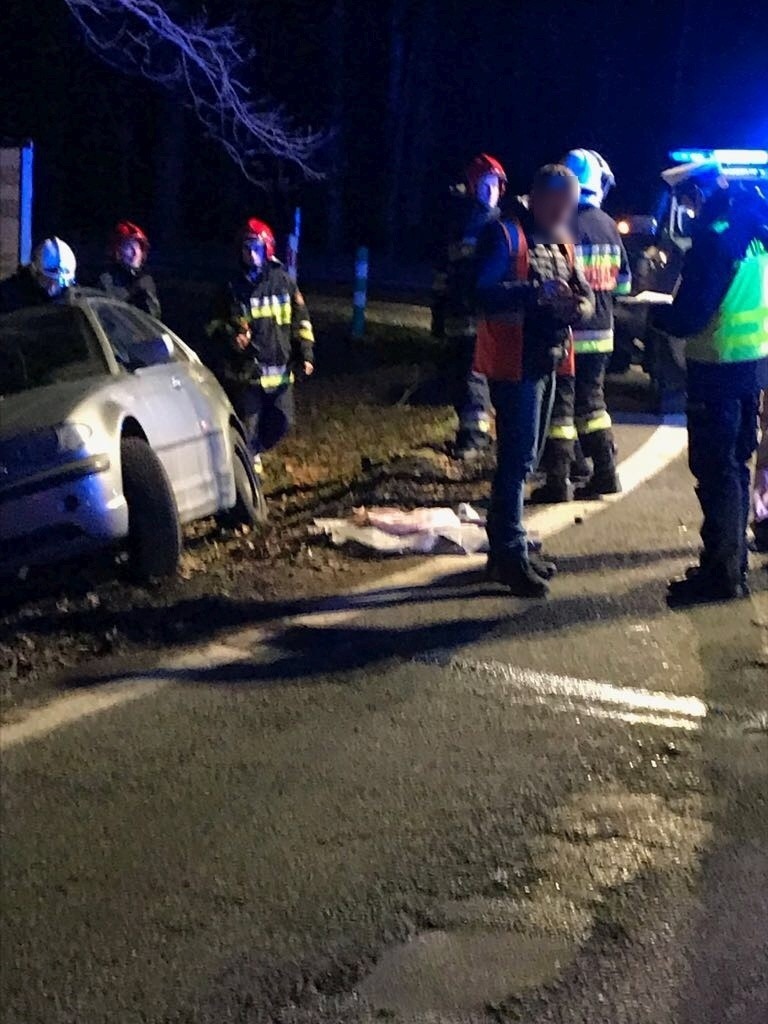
276,380
476,421
271,307
305,331
591,424
592,345
563,433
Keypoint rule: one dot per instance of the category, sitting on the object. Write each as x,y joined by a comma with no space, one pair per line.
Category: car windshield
49,345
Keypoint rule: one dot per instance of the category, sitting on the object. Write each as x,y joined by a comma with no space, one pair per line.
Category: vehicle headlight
72,437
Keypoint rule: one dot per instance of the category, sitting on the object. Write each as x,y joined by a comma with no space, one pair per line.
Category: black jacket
133,286
273,309
453,290
21,290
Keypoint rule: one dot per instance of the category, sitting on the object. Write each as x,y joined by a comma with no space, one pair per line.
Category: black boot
581,470
519,575
543,567
558,456
708,583
760,530
470,446
605,480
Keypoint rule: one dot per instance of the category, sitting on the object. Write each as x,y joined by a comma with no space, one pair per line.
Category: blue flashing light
725,157
689,156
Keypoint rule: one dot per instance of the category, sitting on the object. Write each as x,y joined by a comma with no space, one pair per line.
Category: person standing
42,281
126,276
760,520
580,411
260,334
530,291
720,309
454,316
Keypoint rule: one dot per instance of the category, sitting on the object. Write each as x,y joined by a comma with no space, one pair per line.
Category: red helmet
481,165
254,228
125,231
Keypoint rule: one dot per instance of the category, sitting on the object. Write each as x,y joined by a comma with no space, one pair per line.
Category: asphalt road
430,802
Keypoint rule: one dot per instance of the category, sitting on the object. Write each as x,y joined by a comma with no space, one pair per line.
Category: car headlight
72,437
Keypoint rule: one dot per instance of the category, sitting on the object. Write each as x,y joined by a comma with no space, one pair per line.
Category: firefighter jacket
604,260
135,287
453,293
272,308
21,290
518,337
721,307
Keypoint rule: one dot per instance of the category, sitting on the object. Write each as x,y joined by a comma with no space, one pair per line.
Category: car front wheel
154,531
250,507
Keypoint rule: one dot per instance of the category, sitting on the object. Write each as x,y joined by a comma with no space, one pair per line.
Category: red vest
499,347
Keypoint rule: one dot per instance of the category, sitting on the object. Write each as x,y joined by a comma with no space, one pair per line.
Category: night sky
524,80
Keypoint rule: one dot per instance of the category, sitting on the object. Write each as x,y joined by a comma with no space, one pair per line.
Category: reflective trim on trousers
563,432
591,424
475,421
274,377
595,344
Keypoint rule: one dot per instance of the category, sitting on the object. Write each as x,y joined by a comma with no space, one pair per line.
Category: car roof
74,296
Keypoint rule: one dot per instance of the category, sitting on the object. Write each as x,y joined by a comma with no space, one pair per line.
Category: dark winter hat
553,178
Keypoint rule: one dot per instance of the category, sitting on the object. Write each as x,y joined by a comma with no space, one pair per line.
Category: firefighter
530,290
475,205
45,279
720,309
580,420
260,333
126,278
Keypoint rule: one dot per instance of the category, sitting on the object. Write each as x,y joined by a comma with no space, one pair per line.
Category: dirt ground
358,441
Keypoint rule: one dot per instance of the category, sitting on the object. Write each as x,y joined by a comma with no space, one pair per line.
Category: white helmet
595,176
54,265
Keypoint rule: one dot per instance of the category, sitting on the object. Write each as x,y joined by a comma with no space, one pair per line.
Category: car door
154,387
213,412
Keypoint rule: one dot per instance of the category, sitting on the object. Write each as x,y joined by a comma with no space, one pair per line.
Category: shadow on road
303,651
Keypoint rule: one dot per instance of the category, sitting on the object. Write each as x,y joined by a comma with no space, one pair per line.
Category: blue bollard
360,296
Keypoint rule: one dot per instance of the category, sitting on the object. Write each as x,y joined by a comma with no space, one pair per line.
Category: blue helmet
595,176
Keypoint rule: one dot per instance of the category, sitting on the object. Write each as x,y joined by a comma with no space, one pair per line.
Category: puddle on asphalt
455,972
485,950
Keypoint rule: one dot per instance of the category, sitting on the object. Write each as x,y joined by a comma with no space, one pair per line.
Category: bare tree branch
206,63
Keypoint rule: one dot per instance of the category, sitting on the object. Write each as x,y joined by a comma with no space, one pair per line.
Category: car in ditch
112,432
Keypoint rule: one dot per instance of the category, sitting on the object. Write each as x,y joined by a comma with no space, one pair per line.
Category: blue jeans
518,422
722,437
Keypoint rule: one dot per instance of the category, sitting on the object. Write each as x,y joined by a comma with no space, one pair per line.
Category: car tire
154,531
250,508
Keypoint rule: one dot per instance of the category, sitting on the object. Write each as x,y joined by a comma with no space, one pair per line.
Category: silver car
111,430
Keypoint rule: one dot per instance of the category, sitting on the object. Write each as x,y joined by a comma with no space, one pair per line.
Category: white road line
664,445
592,697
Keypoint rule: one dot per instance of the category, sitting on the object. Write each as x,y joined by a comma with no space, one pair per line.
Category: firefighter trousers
722,438
469,393
580,413
267,415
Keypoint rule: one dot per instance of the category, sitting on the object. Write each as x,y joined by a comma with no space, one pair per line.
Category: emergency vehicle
656,243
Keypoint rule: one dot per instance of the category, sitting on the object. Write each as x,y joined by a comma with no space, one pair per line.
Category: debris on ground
397,531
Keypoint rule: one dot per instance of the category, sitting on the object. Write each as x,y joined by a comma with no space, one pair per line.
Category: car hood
45,407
